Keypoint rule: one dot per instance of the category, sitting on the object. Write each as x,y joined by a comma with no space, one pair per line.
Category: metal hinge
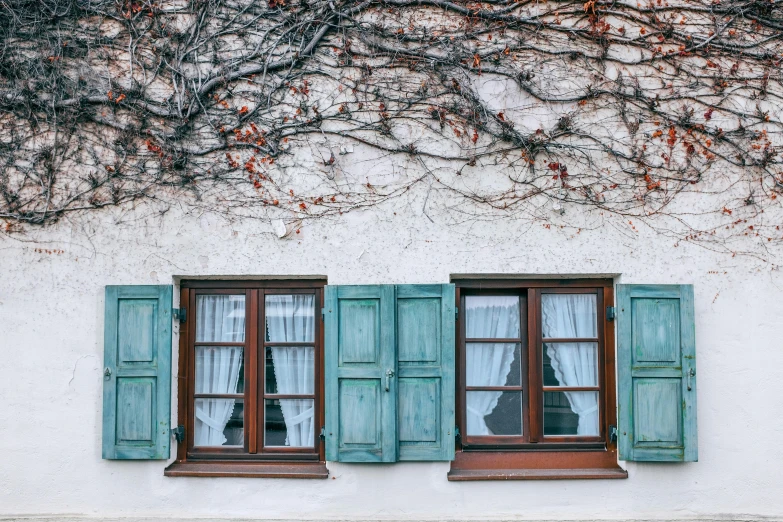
180,314
611,313
456,313
456,433
323,433
323,314
612,433
179,433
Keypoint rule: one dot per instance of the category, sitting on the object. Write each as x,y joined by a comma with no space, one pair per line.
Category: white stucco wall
51,332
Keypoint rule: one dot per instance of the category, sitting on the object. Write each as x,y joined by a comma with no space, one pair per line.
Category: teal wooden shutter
137,373
657,373
425,362
361,399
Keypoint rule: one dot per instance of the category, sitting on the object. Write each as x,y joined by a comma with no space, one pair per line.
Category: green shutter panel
137,373
425,362
657,373
361,381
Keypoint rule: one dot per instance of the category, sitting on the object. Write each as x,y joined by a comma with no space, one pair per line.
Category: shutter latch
612,433
323,433
180,314
179,433
610,313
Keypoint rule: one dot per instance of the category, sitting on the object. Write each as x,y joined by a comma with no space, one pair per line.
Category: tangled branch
666,112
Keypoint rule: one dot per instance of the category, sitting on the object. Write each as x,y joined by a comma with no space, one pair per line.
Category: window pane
569,315
571,413
492,316
570,364
290,370
493,364
220,369
494,413
289,422
290,318
219,422
220,318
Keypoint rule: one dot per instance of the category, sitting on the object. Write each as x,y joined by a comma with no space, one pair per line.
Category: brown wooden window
535,373
251,379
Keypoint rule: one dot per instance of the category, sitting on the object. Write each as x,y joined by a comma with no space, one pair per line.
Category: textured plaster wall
51,350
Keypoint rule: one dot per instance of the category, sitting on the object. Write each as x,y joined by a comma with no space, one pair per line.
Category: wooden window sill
538,465
295,470
535,474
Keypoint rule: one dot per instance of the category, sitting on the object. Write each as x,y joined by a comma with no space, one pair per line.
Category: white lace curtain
291,318
488,364
219,318
574,364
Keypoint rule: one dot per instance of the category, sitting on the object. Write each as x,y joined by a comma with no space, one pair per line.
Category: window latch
611,313
612,433
180,314
179,433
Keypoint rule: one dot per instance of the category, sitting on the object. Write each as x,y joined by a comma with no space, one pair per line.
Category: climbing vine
665,113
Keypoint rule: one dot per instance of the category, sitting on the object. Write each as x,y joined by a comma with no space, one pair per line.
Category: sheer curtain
488,364
575,364
219,318
290,318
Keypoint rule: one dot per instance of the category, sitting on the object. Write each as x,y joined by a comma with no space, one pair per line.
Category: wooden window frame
533,455
253,459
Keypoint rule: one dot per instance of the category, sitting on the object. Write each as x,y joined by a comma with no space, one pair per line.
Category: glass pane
289,422
571,413
492,316
290,318
570,364
290,370
493,364
220,422
494,413
220,318
220,369
569,315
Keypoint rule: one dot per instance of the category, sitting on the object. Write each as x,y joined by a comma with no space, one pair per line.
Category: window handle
690,374
389,375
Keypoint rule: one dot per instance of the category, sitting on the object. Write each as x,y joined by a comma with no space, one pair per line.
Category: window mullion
533,372
251,370
261,370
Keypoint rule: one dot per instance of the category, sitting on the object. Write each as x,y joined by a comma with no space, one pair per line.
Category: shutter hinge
456,433
180,314
323,433
323,314
179,433
612,433
611,313
456,313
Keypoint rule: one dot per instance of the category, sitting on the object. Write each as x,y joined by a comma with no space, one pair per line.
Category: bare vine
660,111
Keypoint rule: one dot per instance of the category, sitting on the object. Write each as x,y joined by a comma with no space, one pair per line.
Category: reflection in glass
289,422
219,422
492,317
568,315
220,369
290,370
494,413
290,318
571,364
571,413
493,364
220,318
